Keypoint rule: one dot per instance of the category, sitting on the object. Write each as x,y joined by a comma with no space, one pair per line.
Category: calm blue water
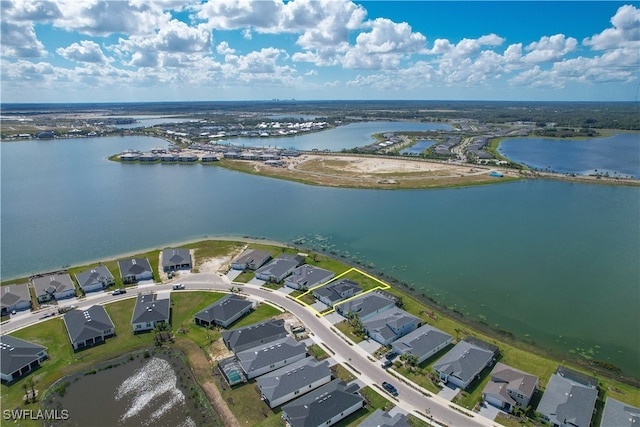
336,139
537,258
418,147
618,155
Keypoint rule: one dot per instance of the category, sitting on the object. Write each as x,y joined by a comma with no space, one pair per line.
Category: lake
552,262
617,155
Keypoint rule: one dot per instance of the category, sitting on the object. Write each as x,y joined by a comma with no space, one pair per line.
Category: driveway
232,274
334,318
256,281
370,346
448,392
489,411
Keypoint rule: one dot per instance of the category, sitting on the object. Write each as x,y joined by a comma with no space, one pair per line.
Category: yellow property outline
332,309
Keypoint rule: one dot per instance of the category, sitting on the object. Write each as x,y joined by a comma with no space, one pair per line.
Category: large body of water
617,155
553,262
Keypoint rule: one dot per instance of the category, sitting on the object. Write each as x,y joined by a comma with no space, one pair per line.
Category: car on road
390,388
119,291
178,286
386,363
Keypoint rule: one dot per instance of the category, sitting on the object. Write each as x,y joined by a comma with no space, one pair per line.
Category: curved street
411,398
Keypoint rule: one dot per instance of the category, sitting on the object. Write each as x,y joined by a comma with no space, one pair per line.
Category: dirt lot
371,172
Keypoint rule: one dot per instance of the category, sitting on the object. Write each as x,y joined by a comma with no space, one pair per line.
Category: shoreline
402,288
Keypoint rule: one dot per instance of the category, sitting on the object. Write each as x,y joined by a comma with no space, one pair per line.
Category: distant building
19,357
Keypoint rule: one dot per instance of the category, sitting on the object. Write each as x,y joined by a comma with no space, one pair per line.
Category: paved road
367,370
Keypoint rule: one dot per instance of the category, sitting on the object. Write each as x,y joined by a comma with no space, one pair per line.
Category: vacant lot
370,172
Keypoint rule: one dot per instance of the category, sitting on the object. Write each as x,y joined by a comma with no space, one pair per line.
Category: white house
422,343
149,311
95,279
53,286
266,358
134,270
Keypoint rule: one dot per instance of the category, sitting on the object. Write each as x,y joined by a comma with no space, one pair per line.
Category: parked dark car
390,388
119,291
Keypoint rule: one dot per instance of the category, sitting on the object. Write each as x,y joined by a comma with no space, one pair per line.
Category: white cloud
263,16
19,40
625,31
549,49
224,49
31,10
85,51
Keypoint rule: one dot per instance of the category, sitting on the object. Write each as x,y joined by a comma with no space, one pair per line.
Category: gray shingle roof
320,405
385,322
12,294
382,418
84,324
308,274
463,361
514,379
268,354
253,256
254,335
568,401
150,309
334,290
286,380
94,274
16,353
171,257
366,304
224,309
52,283
618,414
279,266
422,341
133,266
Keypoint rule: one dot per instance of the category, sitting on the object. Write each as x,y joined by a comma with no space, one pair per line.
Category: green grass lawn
245,276
184,305
318,352
341,372
260,314
346,329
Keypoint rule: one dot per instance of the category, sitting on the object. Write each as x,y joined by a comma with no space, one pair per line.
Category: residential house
464,362
149,311
15,297
382,418
134,270
95,279
254,335
618,414
268,357
308,276
251,259
176,259
390,325
53,286
224,312
422,343
336,291
279,268
323,406
367,305
88,327
509,388
569,399
294,380
19,357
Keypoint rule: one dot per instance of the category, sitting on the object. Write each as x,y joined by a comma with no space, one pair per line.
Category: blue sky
173,50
